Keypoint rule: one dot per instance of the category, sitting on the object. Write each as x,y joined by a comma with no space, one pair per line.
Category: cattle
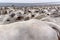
35,13
20,15
32,29
53,17
13,17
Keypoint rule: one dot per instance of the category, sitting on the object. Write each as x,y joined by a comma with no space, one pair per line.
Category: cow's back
27,30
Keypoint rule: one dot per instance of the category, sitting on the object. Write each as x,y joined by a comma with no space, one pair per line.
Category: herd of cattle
30,23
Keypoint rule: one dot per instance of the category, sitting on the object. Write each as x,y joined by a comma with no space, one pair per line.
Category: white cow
13,17
27,30
53,17
35,13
